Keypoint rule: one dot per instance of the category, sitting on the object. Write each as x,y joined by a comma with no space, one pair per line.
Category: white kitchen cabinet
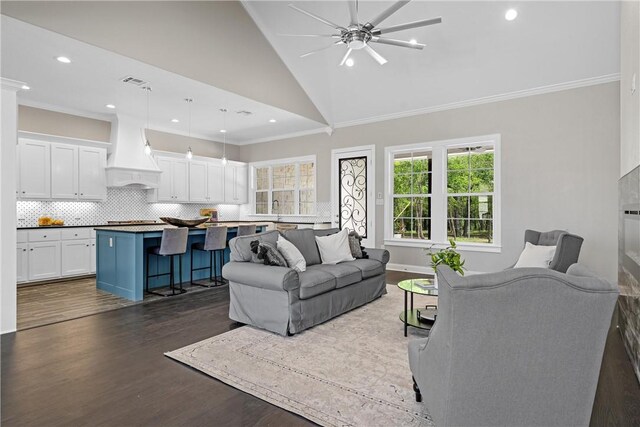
92,183
235,184
206,182
215,182
75,257
174,180
60,171
34,162
64,171
44,260
22,258
198,182
93,256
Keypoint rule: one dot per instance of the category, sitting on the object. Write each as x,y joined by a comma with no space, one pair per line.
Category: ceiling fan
357,36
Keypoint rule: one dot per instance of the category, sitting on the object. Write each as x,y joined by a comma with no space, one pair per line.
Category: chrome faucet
275,206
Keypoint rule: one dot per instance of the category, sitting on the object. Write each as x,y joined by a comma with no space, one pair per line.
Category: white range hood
128,165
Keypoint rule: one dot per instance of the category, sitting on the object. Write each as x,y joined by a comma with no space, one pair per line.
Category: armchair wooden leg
417,391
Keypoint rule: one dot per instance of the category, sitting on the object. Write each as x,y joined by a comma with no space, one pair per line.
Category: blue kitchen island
120,258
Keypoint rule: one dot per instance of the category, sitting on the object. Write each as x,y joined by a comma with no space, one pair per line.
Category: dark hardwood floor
109,369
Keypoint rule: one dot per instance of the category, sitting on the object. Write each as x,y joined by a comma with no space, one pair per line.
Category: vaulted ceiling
236,48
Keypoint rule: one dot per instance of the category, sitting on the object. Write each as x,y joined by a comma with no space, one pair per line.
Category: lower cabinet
93,256
22,258
44,260
45,254
75,257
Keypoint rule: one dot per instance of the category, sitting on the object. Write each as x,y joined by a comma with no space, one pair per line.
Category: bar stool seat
215,242
246,230
173,243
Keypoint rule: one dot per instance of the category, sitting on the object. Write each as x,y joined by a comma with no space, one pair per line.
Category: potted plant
447,256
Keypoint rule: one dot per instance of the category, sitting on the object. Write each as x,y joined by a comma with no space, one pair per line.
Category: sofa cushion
241,246
305,241
345,274
368,267
325,231
315,282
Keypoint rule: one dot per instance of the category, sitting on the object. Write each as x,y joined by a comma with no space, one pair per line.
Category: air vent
244,112
134,81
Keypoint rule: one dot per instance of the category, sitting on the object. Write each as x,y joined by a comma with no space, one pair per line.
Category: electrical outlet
110,242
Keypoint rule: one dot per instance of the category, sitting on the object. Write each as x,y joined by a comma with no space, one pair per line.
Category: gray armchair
567,246
514,348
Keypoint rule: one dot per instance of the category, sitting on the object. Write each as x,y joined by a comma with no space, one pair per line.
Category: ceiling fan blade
333,36
385,14
353,11
408,25
317,18
395,42
346,56
321,49
375,55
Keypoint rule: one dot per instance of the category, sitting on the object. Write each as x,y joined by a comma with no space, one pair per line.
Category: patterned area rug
350,371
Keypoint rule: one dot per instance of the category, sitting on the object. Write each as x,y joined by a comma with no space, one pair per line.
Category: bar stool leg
146,283
171,278
180,277
211,264
191,274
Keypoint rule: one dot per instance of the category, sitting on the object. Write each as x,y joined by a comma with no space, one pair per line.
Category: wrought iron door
352,194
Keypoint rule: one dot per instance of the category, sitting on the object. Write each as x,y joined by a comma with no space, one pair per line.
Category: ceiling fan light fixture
349,62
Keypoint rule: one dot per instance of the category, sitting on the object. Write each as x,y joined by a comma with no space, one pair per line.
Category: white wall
9,115
560,164
629,102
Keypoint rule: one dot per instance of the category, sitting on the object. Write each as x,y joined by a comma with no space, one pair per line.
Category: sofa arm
261,276
381,255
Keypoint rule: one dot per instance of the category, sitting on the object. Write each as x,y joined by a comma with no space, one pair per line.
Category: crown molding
325,129
608,78
10,84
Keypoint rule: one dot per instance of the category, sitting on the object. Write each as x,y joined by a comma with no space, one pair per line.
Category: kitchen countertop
265,222
151,228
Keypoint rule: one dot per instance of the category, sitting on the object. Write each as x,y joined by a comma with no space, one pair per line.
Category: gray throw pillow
355,244
267,254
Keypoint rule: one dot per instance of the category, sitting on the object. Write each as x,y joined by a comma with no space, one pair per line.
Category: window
470,194
284,187
444,190
412,195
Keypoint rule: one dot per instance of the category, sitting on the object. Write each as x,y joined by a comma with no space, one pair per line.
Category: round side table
423,318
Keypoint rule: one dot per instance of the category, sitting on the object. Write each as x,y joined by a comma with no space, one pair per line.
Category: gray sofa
521,347
283,301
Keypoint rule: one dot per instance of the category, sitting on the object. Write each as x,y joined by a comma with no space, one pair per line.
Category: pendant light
147,145
224,135
189,152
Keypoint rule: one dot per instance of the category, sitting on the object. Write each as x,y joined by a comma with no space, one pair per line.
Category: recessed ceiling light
175,120
511,14
25,87
413,41
272,121
223,131
111,106
63,59
350,62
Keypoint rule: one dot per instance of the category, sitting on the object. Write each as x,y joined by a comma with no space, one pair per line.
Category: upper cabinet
57,171
235,183
34,175
200,181
92,183
174,180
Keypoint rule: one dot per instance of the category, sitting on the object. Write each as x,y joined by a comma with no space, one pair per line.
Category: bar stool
215,242
173,242
246,230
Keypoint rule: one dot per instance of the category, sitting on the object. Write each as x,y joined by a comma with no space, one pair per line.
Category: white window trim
439,194
276,162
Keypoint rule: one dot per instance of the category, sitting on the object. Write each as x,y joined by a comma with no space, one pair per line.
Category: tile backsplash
131,204
121,204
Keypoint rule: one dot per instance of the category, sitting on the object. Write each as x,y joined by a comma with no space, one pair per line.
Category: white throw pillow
291,254
335,248
536,256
